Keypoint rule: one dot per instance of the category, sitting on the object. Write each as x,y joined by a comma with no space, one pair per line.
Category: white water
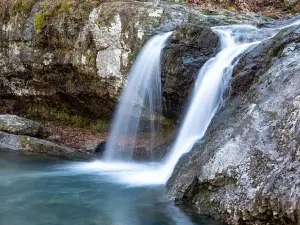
141,98
207,96
209,88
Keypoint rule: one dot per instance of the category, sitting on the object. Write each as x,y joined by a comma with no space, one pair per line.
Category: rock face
61,59
21,126
191,46
247,168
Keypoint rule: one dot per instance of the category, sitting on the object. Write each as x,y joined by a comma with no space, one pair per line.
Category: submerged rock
191,46
17,125
246,169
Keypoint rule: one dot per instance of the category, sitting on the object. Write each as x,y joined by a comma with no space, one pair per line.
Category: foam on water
130,174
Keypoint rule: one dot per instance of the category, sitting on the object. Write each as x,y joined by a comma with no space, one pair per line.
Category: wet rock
257,61
191,46
90,146
246,169
21,126
95,146
11,142
100,148
160,152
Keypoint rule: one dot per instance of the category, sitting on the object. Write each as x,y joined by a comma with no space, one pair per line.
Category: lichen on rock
21,126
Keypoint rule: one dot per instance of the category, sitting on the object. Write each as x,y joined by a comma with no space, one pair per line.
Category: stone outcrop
11,142
246,169
64,60
191,46
20,134
21,126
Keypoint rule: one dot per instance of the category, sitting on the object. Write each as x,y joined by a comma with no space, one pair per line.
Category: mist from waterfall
140,102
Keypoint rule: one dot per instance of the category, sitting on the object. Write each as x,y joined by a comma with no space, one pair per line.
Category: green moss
64,116
230,8
48,13
105,20
43,5
65,7
55,8
24,6
271,115
208,12
101,125
294,10
79,121
91,58
206,195
25,141
39,22
31,145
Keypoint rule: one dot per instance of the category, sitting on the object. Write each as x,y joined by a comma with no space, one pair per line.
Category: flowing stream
118,191
206,98
209,89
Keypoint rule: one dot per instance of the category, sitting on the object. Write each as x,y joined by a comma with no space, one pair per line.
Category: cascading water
140,102
206,97
208,91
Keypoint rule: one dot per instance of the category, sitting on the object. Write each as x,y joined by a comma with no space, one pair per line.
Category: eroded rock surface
246,170
62,58
191,46
21,126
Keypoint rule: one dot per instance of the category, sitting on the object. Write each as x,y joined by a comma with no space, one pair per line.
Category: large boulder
21,126
246,169
12,142
191,46
61,59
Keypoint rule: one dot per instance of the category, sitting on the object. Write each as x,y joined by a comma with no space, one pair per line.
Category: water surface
37,190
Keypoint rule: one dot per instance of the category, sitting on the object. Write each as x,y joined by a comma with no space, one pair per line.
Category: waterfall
206,98
208,91
140,102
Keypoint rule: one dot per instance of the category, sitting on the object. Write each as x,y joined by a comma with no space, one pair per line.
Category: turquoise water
35,190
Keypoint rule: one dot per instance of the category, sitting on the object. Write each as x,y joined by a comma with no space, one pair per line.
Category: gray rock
246,169
77,63
54,138
18,125
91,146
191,46
11,142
